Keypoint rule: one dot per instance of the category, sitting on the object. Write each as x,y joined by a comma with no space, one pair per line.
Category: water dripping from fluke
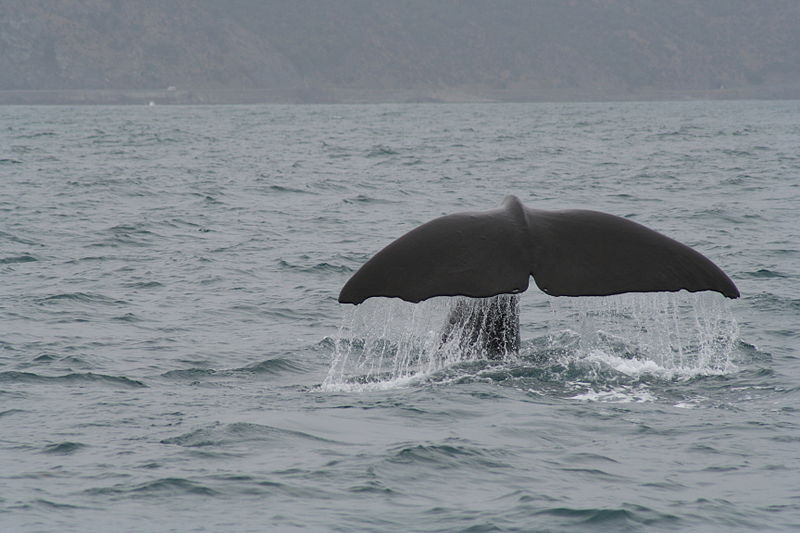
662,335
388,343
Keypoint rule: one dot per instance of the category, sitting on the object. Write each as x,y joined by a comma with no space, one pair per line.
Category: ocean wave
319,267
381,150
364,199
21,240
287,189
25,258
240,432
81,297
64,448
156,488
766,273
144,285
268,367
126,235
277,365
775,302
37,135
448,454
611,519
49,504
70,379
190,373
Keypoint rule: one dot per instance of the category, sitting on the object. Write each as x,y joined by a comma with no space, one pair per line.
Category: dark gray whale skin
569,253
487,326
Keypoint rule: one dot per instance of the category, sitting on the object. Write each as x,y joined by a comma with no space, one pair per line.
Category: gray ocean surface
173,357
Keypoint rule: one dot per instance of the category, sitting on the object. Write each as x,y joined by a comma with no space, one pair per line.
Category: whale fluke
568,253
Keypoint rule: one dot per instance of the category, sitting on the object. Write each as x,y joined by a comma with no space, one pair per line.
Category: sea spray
387,343
667,334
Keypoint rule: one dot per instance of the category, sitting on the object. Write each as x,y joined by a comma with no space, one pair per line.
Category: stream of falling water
669,334
388,343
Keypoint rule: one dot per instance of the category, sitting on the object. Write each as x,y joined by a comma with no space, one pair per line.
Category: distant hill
396,50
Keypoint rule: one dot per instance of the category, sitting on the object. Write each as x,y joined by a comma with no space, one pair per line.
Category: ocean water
173,357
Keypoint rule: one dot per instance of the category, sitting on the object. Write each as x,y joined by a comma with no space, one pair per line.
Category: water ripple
240,432
13,377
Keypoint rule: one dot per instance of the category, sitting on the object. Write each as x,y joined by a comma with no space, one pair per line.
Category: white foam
369,386
637,368
629,367
616,395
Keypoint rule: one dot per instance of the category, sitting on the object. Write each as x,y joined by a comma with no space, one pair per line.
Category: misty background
247,51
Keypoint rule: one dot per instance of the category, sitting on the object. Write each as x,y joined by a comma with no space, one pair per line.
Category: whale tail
568,253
